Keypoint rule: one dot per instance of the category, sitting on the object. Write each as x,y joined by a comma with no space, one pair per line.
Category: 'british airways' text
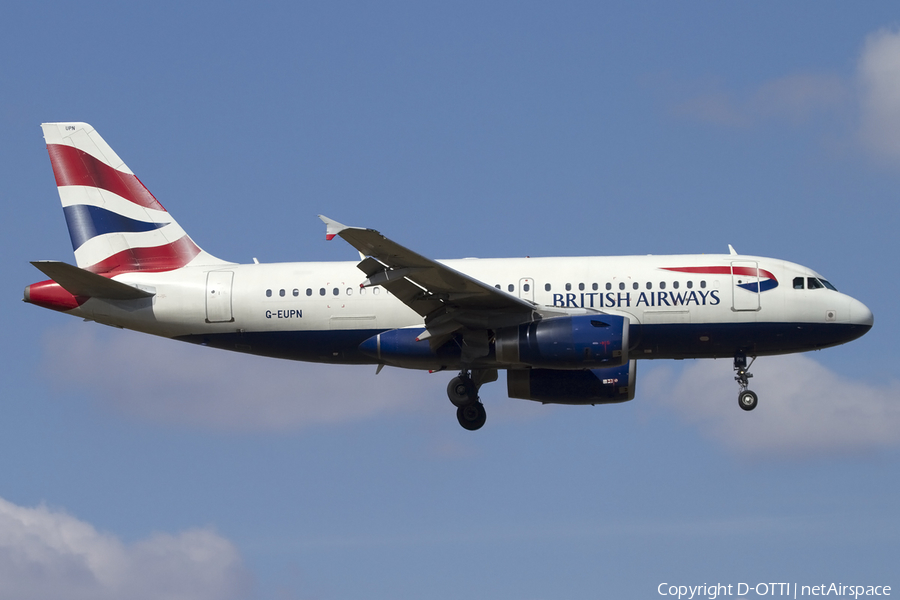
627,299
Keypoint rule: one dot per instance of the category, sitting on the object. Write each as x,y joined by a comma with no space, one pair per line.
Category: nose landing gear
747,399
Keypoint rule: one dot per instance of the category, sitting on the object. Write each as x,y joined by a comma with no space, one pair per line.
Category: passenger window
568,287
675,284
703,284
497,286
635,285
511,288
690,284
622,285
268,293
526,288
649,286
813,284
349,291
376,291
335,291
281,293
595,287
321,291
309,291
798,283
580,287
296,292
608,286
662,285
546,287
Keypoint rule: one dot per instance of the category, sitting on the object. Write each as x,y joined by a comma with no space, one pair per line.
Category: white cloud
50,554
172,382
794,98
879,75
802,97
803,407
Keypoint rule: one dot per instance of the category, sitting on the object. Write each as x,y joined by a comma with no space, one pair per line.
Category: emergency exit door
218,297
526,289
744,285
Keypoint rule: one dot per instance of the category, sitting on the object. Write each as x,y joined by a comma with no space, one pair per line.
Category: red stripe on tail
154,259
72,166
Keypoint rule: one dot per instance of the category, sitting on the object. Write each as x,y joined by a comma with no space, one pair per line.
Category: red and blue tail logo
115,223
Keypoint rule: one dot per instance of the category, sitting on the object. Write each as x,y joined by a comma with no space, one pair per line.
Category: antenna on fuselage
731,250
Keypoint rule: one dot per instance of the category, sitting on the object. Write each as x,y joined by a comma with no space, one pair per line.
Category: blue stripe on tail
86,221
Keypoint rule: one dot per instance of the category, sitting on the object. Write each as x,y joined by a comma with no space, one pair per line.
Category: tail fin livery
115,223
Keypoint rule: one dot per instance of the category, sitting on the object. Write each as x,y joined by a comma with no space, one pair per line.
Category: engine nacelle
589,386
402,348
586,341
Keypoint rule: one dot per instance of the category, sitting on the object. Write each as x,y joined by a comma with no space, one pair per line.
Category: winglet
332,227
731,250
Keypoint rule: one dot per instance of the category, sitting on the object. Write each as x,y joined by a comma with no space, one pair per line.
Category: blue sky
142,468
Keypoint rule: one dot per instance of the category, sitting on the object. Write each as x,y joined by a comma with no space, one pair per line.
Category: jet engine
589,386
402,348
586,341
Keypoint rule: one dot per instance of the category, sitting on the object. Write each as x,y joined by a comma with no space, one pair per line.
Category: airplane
566,330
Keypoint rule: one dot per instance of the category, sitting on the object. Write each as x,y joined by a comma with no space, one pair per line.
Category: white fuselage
675,311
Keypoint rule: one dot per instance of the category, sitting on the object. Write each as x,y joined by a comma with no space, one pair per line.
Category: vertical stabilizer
116,225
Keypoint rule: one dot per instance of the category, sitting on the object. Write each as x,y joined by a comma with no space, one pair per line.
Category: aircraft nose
860,314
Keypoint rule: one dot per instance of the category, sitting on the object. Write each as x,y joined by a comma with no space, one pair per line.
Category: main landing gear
463,393
746,398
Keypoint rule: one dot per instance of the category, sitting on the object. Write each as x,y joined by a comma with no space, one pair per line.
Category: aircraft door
526,289
744,285
218,297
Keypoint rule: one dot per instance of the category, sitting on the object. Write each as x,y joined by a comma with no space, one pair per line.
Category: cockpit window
813,283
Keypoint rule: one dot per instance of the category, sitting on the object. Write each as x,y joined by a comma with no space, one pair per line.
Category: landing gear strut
463,393
747,399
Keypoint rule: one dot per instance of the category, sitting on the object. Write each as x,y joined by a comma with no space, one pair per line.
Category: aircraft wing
447,299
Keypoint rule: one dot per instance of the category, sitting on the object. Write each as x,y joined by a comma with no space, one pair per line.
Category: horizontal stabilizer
79,282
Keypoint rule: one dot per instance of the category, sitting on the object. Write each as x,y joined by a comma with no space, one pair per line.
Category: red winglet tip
329,236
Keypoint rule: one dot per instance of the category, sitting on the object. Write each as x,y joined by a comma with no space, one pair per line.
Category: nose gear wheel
747,399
